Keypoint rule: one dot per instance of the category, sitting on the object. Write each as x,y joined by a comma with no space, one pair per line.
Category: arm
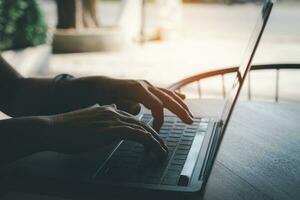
20,137
13,88
8,81
33,96
22,96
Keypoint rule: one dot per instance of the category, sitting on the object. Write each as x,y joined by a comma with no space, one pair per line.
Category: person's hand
127,94
132,92
97,126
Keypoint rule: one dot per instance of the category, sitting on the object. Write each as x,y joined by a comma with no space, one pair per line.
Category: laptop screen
245,66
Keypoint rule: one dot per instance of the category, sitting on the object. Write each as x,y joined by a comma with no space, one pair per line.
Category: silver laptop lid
246,63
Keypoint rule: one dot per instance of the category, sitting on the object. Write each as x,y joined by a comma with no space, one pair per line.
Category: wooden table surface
259,157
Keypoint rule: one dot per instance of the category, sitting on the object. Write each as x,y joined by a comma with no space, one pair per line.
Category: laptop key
164,137
172,139
175,136
176,132
191,131
182,147
194,125
187,138
165,131
171,149
181,152
171,144
170,118
184,142
178,162
180,126
205,120
189,134
175,167
197,120
180,157
172,173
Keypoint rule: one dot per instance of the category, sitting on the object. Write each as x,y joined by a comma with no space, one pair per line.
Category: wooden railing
222,72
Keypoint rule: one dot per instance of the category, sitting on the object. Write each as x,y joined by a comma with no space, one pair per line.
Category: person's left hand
127,94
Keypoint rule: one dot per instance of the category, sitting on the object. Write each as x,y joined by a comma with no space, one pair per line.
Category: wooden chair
222,73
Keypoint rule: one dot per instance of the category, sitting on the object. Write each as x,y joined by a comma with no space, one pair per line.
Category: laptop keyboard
132,163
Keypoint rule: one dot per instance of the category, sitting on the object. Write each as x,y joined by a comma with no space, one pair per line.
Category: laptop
192,148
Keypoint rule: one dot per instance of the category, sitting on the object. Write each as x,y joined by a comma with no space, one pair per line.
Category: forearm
26,97
32,96
37,96
9,79
20,137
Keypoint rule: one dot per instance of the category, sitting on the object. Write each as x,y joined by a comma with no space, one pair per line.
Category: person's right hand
94,127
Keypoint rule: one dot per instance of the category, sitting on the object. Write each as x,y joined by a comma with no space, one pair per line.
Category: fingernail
156,128
191,114
114,106
190,120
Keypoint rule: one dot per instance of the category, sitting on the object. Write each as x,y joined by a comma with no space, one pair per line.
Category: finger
158,115
155,135
182,96
172,105
175,95
127,118
141,136
95,106
114,106
153,103
110,106
129,106
178,99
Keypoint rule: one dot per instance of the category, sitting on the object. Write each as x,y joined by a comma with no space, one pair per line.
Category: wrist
87,91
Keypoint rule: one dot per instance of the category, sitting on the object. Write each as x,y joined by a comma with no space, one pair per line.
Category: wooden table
260,154
259,157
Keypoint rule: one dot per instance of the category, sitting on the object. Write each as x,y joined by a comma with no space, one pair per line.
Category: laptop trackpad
57,166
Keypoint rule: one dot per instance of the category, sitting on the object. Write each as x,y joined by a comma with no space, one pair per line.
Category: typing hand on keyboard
151,160
131,161
153,98
93,127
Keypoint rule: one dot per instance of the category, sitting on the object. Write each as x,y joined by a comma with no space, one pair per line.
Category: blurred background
162,41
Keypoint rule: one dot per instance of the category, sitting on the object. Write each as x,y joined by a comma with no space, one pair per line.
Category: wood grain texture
261,147
225,184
